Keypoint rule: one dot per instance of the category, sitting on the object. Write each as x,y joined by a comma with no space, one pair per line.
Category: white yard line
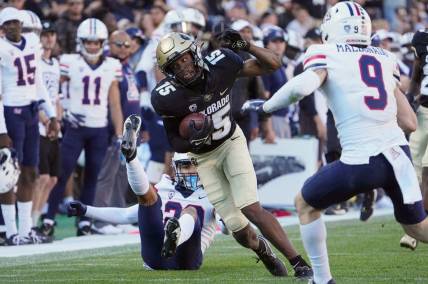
103,241
71,244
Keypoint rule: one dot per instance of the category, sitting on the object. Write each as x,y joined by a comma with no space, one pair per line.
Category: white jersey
173,202
88,88
50,76
360,88
20,75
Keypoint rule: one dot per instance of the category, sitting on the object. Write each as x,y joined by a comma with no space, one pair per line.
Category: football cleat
369,201
337,209
172,234
3,239
408,242
37,237
17,240
84,229
331,281
272,263
303,271
131,130
106,230
47,228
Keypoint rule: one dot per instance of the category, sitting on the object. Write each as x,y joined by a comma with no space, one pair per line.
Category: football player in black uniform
196,84
419,139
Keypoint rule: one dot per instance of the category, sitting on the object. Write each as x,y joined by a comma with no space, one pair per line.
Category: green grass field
359,253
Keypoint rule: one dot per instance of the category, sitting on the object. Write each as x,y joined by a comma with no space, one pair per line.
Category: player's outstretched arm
266,61
294,90
115,108
107,214
406,117
178,143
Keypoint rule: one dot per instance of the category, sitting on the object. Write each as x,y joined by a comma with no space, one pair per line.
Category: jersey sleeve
315,58
420,43
64,64
232,61
396,72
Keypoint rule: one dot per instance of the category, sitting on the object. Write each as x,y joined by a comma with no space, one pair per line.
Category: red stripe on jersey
358,10
319,56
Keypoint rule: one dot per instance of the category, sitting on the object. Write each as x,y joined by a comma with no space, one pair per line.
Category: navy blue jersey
129,94
273,82
173,101
420,44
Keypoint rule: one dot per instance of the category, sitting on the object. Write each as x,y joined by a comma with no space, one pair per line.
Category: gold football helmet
171,47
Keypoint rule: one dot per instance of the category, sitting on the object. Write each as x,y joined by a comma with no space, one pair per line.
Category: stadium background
392,21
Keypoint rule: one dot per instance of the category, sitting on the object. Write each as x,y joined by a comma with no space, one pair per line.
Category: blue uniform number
371,75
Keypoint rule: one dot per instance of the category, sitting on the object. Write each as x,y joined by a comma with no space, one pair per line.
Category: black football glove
201,136
233,40
76,208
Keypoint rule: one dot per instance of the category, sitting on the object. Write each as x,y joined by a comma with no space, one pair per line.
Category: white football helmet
9,170
10,14
92,30
31,22
188,180
189,21
346,22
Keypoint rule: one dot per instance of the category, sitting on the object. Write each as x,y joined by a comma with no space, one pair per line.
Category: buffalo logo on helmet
193,107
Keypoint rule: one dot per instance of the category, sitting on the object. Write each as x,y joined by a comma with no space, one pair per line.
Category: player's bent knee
235,223
53,181
190,210
28,176
300,204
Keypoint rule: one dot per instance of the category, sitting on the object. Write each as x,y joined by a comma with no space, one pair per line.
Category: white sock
2,228
314,237
35,216
45,208
24,217
137,177
187,226
9,216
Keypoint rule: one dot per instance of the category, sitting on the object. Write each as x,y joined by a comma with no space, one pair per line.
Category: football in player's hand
186,129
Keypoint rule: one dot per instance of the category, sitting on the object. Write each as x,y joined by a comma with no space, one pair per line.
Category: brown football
185,128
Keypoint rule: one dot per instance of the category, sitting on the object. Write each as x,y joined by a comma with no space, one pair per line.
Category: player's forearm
406,118
268,60
416,78
294,90
117,119
115,109
113,215
179,144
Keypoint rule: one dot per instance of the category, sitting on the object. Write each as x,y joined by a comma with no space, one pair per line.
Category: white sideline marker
103,241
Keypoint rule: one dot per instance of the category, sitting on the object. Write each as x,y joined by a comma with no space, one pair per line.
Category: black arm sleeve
178,143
